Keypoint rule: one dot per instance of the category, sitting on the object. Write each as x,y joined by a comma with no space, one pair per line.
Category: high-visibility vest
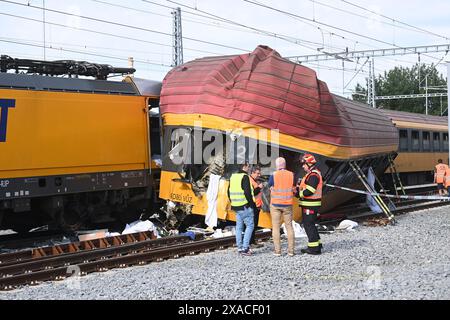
314,200
447,178
282,192
440,172
237,195
257,198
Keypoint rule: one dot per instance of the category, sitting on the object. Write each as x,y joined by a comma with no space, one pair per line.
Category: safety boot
311,251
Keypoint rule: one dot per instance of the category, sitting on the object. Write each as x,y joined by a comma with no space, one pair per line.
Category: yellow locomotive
73,149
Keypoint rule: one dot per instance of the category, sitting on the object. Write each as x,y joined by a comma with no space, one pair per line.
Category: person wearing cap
240,193
281,184
309,191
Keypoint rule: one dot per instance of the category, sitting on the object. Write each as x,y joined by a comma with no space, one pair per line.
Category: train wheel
71,217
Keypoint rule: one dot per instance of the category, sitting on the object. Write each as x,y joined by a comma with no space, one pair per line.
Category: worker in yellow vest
240,193
310,193
439,174
255,174
281,185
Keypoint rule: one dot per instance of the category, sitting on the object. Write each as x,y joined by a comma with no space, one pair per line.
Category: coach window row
423,141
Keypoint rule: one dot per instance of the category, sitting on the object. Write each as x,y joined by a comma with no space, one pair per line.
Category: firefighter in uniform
310,193
439,175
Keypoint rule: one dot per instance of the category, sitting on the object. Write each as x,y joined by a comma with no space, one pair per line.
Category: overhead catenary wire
345,87
85,52
51,44
395,20
215,25
325,24
122,25
101,33
269,33
217,18
401,25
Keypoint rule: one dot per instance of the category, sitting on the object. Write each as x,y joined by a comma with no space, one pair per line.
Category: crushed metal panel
145,87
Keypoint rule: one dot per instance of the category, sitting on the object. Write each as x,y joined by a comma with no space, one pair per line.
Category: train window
436,144
415,141
403,140
445,139
426,141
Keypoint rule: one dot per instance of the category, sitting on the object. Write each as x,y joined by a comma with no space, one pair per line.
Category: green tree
401,80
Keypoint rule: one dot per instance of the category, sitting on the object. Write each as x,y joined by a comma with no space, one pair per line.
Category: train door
155,139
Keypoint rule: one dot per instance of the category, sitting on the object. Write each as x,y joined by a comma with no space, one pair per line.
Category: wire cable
101,33
120,24
325,24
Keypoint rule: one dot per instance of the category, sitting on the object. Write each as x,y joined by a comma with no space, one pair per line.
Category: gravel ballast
410,260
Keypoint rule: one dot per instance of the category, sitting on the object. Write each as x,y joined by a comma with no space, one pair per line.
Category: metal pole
43,22
426,94
374,104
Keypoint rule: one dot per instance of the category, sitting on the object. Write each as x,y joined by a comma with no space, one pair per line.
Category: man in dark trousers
310,193
240,193
255,174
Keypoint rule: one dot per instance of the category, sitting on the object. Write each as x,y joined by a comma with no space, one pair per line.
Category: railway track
19,241
57,263
360,211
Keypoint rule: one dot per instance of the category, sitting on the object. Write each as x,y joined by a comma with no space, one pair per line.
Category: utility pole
371,85
426,94
374,102
177,53
43,22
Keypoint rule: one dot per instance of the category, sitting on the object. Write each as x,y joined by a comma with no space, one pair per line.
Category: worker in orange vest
255,175
281,185
310,193
447,181
439,175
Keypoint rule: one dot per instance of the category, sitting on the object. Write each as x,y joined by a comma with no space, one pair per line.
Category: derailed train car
264,100
73,150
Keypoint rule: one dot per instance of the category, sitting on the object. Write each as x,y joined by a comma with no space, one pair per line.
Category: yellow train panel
52,133
252,131
418,161
421,126
182,192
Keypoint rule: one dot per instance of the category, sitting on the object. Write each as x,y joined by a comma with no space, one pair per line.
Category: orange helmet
308,159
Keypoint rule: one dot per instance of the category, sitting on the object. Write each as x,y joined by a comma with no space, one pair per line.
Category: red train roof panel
263,89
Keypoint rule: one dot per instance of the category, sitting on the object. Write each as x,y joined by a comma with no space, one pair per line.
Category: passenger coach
243,96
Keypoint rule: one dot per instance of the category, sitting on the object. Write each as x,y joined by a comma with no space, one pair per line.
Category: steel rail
113,258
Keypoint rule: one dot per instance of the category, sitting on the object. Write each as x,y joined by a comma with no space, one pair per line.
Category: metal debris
376,222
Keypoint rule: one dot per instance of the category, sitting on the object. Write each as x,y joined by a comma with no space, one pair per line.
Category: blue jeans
244,217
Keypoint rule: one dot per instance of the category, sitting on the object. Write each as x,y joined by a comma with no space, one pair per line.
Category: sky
110,31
